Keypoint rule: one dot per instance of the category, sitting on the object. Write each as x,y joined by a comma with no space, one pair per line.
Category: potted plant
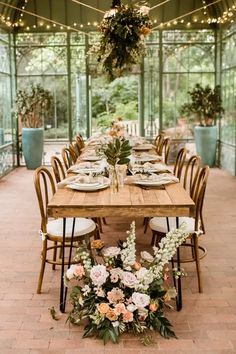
32,105
205,106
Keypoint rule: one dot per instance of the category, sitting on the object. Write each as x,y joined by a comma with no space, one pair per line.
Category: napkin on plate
164,178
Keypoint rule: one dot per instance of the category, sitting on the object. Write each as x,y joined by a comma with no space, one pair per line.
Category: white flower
129,279
111,252
86,290
141,273
146,256
99,274
100,292
115,324
110,13
140,300
144,10
70,272
131,307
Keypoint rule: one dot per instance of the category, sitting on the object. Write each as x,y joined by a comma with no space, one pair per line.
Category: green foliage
121,44
118,152
205,102
32,105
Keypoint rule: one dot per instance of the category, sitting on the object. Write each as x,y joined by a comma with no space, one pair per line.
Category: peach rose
111,315
79,271
153,307
115,295
128,316
120,308
103,308
97,244
137,266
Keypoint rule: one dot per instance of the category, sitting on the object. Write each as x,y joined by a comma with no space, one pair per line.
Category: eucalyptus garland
122,43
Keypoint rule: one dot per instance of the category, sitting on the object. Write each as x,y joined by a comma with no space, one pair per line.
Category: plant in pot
204,108
32,106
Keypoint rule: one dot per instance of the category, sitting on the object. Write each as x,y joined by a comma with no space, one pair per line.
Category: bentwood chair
160,225
67,157
179,163
52,230
158,141
79,141
165,149
58,169
73,152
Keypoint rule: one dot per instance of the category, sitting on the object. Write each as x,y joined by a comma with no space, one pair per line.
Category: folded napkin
158,167
164,178
84,180
80,165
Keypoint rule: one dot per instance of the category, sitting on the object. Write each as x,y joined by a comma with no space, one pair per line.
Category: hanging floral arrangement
122,43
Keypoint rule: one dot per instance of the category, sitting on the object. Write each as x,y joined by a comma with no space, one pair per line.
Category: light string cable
89,6
188,13
44,18
103,12
160,4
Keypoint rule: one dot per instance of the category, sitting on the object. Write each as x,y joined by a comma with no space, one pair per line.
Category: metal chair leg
195,240
54,255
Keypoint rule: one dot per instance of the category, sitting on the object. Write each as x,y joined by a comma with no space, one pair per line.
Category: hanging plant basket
122,43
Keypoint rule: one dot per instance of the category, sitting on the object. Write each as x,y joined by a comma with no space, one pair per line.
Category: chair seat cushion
83,226
159,224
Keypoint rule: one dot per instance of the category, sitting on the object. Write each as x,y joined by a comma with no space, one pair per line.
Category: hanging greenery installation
122,43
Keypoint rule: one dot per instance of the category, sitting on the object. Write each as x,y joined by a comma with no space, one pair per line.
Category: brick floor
207,323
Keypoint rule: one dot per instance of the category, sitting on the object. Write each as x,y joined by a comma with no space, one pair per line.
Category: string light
228,16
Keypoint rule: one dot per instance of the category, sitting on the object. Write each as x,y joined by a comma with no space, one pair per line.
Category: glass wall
228,123
6,128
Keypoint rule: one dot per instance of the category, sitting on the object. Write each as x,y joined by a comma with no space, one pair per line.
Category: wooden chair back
158,143
191,173
79,141
67,158
198,196
179,163
58,169
165,149
45,188
73,152
77,148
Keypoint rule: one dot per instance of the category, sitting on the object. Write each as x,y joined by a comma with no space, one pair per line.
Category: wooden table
131,201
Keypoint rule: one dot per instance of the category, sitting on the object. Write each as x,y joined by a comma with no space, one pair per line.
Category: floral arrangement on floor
115,293
123,30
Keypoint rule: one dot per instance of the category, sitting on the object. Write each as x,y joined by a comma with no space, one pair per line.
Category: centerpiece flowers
117,154
117,293
122,43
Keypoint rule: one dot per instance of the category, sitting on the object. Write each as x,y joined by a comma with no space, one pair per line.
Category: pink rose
119,308
79,271
115,295
99,275
129,279
128,316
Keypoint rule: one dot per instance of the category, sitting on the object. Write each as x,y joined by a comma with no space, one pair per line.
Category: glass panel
188,36
41,39
188,58
5,110
151,91
56,124
175,93
41,60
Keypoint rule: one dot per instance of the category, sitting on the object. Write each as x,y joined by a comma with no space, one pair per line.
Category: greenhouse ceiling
46,14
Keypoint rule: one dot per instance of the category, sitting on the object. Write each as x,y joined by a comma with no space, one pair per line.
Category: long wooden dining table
131,201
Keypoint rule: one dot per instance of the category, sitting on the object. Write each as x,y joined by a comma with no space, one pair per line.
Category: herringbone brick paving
207,323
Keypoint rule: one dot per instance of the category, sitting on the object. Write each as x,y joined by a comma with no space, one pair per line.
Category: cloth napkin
164,177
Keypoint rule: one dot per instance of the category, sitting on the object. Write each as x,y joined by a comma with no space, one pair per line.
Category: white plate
91,158
152,183
88,188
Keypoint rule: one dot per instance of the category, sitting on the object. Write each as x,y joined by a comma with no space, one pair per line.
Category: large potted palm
32,106
204,109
